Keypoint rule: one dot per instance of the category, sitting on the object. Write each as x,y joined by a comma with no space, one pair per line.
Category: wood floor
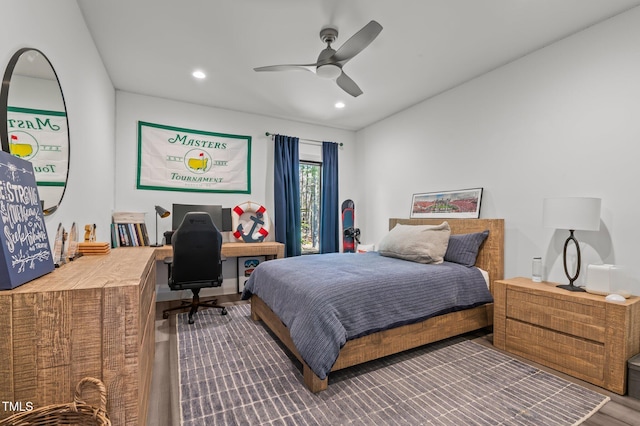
164,411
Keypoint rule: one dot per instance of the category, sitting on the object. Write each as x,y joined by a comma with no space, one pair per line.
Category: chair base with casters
194,304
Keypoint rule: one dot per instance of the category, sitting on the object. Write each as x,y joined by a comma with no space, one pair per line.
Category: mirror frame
4,104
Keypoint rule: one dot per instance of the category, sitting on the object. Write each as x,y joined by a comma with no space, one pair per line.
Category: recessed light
199,74
339,105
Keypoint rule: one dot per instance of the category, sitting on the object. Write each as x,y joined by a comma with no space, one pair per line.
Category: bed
402,335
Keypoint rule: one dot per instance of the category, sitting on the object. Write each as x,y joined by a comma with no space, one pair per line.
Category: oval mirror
33,122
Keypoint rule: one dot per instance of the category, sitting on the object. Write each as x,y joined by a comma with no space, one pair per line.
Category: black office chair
196,261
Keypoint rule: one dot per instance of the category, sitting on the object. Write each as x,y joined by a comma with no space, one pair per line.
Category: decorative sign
24,246
176,159
40,137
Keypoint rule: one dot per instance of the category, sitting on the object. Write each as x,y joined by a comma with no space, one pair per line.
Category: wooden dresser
94,317
577,333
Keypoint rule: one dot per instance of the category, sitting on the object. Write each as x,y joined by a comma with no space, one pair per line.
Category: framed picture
463,204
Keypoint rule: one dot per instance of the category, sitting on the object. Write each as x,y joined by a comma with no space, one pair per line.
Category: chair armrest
168,260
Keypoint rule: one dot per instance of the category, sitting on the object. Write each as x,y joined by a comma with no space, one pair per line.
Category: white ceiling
151,47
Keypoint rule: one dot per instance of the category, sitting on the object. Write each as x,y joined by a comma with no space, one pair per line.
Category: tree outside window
310,180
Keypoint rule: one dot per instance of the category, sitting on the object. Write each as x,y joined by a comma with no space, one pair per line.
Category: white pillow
417,243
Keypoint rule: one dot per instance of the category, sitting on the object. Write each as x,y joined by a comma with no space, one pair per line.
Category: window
310,180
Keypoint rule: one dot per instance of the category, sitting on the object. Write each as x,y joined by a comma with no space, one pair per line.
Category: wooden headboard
491,254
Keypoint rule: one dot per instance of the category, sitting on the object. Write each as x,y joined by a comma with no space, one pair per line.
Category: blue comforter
327,299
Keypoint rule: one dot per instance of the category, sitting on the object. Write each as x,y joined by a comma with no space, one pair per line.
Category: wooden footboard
380,344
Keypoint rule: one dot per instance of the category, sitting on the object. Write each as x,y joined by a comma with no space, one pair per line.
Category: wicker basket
77,412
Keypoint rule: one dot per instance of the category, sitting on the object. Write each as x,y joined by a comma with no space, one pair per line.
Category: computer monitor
180,210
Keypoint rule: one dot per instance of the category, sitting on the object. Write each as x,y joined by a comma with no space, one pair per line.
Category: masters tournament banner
175,159
40,137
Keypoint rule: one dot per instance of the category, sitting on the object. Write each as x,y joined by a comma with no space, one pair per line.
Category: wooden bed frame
388,342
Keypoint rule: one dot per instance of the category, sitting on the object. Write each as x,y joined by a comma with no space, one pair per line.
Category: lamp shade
162,212
573,213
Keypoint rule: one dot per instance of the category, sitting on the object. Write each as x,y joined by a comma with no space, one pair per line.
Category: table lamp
162,213
572,213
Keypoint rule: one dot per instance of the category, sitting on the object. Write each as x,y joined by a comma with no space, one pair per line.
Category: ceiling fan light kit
330,62
331,71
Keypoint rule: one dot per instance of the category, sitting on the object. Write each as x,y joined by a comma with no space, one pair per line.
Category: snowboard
348,226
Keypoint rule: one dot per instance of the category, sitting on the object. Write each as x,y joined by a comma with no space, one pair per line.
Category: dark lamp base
570,287
155,245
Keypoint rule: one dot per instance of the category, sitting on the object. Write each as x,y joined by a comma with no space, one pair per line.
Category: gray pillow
463,248
417,243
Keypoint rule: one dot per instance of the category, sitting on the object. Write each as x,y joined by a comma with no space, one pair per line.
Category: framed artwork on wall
462,203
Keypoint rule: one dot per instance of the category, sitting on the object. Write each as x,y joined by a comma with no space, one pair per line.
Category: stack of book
129,230
93,248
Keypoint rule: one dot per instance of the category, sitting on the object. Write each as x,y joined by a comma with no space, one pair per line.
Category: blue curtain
329,222
286,195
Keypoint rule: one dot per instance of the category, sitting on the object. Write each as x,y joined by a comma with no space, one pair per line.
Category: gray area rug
233,371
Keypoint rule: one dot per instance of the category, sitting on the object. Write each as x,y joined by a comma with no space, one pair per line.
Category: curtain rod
307,140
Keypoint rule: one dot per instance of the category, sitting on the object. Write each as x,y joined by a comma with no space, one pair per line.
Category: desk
268,248
94,317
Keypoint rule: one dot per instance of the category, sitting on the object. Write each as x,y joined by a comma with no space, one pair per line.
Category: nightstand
577,333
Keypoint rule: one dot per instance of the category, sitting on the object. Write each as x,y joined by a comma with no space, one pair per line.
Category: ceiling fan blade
357,42
348,85
292,67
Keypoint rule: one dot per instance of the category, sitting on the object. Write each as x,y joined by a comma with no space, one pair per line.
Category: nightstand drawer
581,319
581,358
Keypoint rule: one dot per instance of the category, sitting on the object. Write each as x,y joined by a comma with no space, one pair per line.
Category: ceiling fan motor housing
330,69
328,34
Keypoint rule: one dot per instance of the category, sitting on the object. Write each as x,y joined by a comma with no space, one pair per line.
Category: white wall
132,108
103,159
59,31
563,121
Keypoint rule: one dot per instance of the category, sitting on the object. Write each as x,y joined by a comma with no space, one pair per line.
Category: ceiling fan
330,61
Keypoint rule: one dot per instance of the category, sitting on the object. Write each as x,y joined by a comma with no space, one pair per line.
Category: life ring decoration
258,215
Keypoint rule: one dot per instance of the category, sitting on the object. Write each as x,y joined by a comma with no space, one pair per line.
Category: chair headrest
194,220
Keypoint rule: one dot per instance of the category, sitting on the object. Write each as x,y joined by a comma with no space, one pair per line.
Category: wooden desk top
121,266
267,248
125,265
